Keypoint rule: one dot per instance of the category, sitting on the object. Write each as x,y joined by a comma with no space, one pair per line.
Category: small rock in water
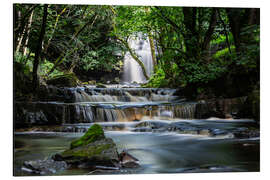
128,161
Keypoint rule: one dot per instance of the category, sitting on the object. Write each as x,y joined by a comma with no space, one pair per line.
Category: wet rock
128,161
100,85
142,129
66,80
92,149
100,152
218,132
152,124
94,133
36,117
246,133
44,167
221,108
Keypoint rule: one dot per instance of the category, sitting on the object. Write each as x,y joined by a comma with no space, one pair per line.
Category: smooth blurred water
158,152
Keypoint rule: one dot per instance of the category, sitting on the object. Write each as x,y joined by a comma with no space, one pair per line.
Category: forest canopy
191,47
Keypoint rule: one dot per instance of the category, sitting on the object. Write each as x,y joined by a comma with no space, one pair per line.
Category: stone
94,133
44,167
128,161
100,152
92,149
100,85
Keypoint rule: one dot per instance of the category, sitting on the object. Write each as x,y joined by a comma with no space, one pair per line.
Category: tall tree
39,47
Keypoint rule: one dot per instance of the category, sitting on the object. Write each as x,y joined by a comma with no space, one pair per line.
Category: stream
160,150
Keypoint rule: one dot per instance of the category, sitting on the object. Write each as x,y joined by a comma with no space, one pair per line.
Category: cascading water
132,70
154,125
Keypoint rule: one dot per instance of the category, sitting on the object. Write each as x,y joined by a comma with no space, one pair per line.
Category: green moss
94,133
68,80
100,85
224,52
87,152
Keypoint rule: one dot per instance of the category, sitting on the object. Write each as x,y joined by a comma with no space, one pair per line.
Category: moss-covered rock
66,80
100,85
94,133
92,149
100,152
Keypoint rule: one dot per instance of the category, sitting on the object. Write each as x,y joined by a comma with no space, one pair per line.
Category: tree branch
134,56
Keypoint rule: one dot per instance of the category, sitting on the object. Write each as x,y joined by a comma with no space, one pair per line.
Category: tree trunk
135,57
151,41
212,25
191,36
153,51
39,47
27,34
20,40
234,22
22,20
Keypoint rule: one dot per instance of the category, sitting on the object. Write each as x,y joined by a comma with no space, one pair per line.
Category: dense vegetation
205,51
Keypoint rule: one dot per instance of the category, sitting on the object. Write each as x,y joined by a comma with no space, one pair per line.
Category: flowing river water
154,125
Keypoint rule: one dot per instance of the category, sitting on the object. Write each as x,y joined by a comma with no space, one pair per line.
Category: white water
132,70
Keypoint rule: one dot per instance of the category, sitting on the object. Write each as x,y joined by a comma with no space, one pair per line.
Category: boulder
101,152
92,149
94,133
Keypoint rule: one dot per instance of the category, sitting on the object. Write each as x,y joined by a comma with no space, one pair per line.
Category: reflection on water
158,152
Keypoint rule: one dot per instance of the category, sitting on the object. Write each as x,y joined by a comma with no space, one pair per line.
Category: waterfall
132,70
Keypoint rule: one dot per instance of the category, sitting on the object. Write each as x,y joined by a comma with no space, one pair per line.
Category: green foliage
158,79
45,67
25,62
221,39
86,38
94,133
249,56
101,59
199,73
225,53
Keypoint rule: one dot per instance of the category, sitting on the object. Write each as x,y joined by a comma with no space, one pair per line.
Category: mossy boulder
66,80
94,133
92,149
100,152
